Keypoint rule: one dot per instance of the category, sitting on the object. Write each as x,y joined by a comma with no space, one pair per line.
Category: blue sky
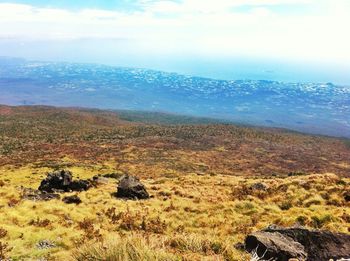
126,5
304,40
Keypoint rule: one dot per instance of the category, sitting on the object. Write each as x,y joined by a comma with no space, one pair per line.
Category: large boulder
284,243
274,246
57,180
130,187
62,181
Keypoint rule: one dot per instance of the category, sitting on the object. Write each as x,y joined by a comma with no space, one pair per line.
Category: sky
291,40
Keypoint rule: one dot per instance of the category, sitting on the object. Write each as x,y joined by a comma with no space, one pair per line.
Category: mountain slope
210,184
47,135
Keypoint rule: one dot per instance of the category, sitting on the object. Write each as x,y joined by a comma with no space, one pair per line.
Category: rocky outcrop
130,187
62,181
281,244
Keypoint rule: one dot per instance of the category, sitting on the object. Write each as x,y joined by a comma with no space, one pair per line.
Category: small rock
347,196
45,244
98,180
259,186
130,187
72,200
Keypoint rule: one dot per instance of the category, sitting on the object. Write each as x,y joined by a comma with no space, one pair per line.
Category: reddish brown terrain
46,136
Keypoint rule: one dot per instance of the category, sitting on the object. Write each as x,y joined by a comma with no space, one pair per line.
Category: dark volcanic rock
131,188
36,195
57,180
72,200
274,246
79,185
316,244
62,181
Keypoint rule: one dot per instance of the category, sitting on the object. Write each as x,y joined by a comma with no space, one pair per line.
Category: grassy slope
45,135
200,207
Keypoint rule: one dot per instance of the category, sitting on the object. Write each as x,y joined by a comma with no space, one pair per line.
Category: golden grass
189,217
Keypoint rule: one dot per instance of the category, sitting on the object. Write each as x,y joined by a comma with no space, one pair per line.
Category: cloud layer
296,30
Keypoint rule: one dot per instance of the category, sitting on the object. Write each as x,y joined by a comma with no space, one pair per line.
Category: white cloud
210,6
199,27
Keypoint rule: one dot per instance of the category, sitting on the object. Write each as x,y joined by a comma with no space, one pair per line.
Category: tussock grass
132,248
189,217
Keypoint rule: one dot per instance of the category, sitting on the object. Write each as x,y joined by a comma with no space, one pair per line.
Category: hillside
201,179
47,135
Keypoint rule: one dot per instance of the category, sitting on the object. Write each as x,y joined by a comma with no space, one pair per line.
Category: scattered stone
284,243
36,195
45,244
259,186
130,187
62,181
72,200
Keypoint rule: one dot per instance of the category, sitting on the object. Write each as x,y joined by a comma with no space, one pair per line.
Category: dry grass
190,216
